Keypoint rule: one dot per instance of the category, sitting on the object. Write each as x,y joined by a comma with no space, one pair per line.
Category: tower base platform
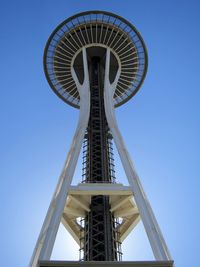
106,263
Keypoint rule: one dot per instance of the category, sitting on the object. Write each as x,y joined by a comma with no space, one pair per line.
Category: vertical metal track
99,241
98,131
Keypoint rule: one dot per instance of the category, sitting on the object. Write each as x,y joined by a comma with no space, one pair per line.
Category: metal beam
100,189
119,202
46,239
153,231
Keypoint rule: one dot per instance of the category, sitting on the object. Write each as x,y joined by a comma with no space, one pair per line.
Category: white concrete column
46,239
153,231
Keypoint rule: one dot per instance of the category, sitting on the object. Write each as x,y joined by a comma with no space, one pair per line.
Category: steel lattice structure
99,242
96,61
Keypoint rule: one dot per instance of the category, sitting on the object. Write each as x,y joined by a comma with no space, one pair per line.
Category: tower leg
153,231
46,239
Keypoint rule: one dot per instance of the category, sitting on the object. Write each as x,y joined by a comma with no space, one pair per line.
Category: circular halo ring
93,28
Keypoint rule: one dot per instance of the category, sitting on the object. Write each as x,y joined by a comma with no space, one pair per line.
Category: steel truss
99,238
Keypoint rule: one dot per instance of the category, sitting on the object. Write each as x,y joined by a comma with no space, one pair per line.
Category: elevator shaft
100,243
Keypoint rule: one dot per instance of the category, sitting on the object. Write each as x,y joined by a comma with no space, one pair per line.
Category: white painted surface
154,234
100,189
121,203
51,223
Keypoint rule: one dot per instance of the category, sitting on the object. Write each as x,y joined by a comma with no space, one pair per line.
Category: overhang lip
83,14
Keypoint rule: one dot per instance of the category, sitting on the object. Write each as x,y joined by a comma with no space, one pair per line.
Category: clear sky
160,125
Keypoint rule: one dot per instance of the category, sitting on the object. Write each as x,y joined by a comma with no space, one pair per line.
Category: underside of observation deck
95,29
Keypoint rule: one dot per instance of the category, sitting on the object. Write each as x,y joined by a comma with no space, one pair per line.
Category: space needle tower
96,61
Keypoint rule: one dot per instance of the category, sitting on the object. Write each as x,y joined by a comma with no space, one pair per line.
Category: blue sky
160,125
